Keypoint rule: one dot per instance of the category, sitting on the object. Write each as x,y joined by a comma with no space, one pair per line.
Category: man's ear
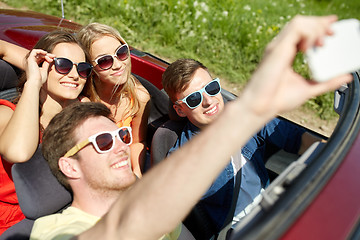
179,110
69,167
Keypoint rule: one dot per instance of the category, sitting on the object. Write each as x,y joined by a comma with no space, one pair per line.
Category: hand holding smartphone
340,53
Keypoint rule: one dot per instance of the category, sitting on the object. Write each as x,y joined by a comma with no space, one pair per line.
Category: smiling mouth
120,164
212,110
119,73
67,84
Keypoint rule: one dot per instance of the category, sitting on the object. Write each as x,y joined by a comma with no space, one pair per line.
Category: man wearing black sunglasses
196,96
103,185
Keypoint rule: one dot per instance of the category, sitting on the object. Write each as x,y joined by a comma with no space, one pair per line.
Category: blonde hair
87,36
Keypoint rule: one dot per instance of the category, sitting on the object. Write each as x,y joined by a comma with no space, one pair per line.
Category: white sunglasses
103,141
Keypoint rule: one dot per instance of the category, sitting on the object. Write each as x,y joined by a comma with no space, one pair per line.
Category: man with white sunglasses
90,157
197,96
85,149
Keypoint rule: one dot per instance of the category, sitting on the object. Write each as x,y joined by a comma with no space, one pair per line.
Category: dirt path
4,5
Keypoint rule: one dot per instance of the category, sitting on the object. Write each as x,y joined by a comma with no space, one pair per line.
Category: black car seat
8,81
39,194
158,109
166,135
159,102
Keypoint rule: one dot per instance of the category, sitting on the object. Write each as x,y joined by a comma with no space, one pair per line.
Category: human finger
37,54
49,57
313,30
44,70
330,85
299,34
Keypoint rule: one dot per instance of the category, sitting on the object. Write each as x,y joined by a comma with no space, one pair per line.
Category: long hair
48,42
87,36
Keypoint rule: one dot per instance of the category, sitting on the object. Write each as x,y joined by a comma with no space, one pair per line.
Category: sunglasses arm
77,148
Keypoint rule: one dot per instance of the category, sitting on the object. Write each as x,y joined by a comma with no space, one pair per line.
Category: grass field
228,36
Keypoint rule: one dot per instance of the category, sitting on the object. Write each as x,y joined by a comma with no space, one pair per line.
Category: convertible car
316,196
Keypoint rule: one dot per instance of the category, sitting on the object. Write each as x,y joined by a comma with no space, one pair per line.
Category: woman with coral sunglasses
56,73
114,85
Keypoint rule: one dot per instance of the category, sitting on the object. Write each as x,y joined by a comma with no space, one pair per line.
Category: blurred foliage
228,36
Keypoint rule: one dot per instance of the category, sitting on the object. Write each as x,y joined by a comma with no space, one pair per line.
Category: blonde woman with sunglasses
113,85
56,73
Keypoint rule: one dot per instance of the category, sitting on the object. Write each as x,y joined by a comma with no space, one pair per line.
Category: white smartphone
340,53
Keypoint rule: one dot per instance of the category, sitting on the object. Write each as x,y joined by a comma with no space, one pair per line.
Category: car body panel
336,210
317,201
24,28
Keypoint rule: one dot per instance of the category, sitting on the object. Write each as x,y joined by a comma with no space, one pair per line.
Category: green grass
228,36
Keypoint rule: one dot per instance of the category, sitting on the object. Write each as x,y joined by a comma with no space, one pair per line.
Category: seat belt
223,234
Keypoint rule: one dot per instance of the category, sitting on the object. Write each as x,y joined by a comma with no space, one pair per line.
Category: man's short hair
178,75
59,136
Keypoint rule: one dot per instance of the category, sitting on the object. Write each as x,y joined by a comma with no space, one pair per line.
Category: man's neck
95,204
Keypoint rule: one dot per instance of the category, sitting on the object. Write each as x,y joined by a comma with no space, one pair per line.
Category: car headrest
38,191
164,139
8,76
8,81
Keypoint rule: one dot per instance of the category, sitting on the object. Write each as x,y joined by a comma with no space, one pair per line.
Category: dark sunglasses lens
193,99
123,52
125,136
84,69
63,65
105,62
213,88
104,141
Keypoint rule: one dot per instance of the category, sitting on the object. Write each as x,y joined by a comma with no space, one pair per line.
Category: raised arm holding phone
156,204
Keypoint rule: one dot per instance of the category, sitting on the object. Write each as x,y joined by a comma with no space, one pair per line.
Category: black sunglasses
64,66
105,62
194,99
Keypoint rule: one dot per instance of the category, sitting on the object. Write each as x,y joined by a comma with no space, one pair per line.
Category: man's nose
120,145
207,100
